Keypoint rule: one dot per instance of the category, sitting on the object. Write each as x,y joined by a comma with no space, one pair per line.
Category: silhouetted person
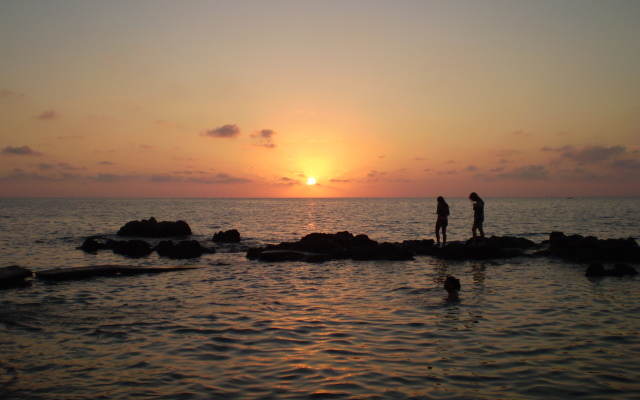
478,214
442,221
452,285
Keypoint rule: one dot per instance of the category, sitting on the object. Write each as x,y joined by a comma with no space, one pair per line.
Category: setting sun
311,181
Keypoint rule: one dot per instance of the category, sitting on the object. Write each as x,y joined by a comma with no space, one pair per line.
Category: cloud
60,165
520,132
223,132
147,147
627,164
558,149
528,172
264,138
588,154
106,163
8,94
48,116
220,178
21,151
472,168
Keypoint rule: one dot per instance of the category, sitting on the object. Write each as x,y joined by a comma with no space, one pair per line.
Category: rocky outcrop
183,249
597,270
230,236
326,246
590,249
150,228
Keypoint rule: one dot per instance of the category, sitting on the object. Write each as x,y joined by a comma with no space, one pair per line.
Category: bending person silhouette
478,215
443,220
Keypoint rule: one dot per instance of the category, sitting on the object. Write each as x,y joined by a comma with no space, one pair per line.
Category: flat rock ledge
74,273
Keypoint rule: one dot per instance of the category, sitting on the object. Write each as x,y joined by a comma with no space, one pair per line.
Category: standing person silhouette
443,220
478,215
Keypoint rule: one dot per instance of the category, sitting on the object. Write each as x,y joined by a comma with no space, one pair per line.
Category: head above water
452,284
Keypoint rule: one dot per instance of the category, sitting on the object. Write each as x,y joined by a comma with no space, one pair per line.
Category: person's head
474,196
440,199
451,284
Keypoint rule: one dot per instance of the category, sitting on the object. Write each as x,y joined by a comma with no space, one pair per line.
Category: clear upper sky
240,98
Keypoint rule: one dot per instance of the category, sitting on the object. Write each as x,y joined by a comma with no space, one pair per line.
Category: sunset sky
154,98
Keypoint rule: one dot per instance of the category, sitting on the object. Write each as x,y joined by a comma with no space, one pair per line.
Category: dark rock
183,249
91,245
13,276
421,247
622,270
510,242
130,248
230,236
341,245
61,274
591,249
153,229
470,251
597,270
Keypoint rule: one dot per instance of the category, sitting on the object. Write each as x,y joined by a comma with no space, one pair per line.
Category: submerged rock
130,248
183,249
151,228
72,273
597,270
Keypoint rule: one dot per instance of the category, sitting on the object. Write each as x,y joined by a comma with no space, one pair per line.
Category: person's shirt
478,209
442,210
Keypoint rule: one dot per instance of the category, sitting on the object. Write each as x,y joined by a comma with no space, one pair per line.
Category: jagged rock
130,248
230,236
510,242
153,229
183,249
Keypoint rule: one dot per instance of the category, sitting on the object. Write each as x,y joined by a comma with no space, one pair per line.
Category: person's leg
438,233
444,235
481,230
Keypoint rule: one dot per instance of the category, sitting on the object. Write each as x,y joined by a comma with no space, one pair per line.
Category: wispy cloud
21,151
264,138
528,172
50,115
223,132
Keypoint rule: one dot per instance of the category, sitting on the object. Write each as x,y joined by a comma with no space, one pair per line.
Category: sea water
524,328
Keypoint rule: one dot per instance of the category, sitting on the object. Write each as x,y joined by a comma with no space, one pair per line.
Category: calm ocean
525,328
